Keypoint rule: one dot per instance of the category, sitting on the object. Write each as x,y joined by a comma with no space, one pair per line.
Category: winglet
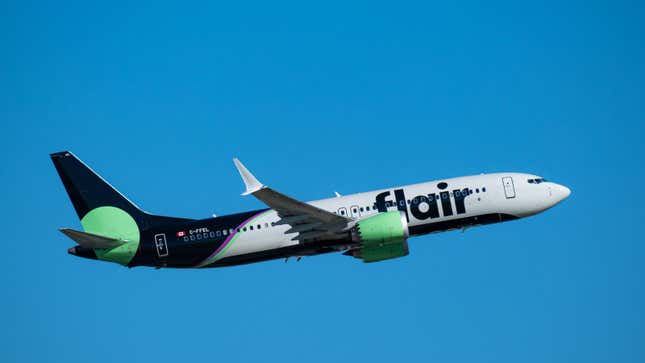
251,183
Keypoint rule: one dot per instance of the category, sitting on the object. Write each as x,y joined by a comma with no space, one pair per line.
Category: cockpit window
537,181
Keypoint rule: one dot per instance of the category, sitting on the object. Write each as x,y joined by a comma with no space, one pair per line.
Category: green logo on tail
116,223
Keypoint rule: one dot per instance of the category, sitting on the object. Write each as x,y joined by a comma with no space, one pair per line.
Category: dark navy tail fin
88,191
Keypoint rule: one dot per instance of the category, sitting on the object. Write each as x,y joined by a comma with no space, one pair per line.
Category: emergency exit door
509,188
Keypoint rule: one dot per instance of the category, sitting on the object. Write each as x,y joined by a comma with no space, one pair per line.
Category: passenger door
161,244
509,188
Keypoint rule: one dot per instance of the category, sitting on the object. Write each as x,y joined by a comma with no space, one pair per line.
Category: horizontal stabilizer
91,240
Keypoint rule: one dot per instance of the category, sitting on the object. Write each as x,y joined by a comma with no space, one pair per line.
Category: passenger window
251,228
477,190
219,233
199,236
342,212
224,232
185,238
259,226
266,225
361,209
367,208
192,238
484,189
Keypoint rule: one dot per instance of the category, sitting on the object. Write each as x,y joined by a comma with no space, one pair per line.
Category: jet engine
381,237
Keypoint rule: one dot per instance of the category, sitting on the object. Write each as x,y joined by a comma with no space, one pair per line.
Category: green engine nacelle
382,237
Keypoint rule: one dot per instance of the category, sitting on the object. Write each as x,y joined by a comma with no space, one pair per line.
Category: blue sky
159,97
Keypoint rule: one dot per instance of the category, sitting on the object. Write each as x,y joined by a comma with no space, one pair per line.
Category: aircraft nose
566,191
561,192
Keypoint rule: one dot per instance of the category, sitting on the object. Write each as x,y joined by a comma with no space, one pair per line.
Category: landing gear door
509,188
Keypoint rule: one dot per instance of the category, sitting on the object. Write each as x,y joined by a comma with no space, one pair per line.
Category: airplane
370,226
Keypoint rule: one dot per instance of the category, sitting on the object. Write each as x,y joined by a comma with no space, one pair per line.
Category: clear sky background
159,97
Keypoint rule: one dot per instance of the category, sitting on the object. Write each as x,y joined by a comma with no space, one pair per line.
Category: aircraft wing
307,220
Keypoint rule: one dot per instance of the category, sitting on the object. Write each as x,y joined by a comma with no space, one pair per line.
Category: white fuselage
430,207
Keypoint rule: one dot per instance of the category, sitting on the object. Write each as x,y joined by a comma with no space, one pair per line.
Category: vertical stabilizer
87,190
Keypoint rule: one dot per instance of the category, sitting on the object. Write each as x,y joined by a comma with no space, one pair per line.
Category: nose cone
560,192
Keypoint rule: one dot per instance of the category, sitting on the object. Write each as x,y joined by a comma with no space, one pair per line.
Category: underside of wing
310,222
